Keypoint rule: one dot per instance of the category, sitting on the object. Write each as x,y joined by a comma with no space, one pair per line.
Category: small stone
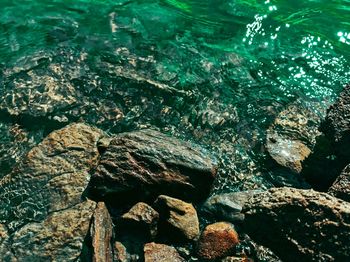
143,216
161,253
237,259
217,240
180,218
119,252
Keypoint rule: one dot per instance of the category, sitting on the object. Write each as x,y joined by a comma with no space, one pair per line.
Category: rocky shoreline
84,195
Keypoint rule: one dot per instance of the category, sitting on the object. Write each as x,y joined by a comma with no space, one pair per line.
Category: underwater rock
217,240
299,225
179,218
101,231
341,186
149,163
41,200
119,252
161,253
141,216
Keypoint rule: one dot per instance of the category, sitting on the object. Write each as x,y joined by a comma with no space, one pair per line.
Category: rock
149,163
101,234
299,225
44,194
59,237
161,253
119,252
142,216
217,240
180,218
5,245
341,186
237,259
228,206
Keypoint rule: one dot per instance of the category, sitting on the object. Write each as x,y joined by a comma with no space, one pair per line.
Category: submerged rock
149,163
299,225
217,240
341,186
161,253
179,218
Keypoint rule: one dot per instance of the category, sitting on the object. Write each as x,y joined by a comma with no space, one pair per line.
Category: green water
232,66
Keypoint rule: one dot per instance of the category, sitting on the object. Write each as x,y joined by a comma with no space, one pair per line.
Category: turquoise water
228,67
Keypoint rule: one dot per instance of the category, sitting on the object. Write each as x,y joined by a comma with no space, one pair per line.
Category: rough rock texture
45,189
237,259
292,134
228,206
341,186
217,240
180,218
299,225
119,252
101,233
143,216
149,163
161,253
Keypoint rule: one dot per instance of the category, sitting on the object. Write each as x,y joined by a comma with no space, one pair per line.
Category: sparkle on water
240,62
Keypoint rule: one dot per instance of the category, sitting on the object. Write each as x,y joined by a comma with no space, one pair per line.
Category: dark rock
101,233
180,218
341,186
141,216
41,201
299,225
228,206
161,253
148,163
217,240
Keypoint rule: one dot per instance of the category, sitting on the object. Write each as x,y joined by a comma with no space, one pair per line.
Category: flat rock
101,231
147,162
180,218
299,225
161,253
143,216
341,186
217,240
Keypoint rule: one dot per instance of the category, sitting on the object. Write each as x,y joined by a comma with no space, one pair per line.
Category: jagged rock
161,253
179,218
142,216
299,225
44,192
101,234
292,135
147,162
217,240
341,186
237,259
119,252
228,206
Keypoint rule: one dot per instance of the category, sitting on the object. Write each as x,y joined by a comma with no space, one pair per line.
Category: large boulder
148,163
42,199
341,186
299,225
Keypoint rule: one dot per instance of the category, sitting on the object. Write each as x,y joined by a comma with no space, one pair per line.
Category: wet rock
299,225
101,233
341,186
41,200
228,206
237,259
217,240
293,134
161,253
143,217
5,245
119,252
180,218
149,163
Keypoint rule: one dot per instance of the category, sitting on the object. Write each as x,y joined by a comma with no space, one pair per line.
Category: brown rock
217,240
101,233
180,218
148,163
119,252
143,216
161,253
299,225
237,259
341,186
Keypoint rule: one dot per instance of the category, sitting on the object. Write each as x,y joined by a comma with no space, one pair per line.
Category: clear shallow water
231,66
